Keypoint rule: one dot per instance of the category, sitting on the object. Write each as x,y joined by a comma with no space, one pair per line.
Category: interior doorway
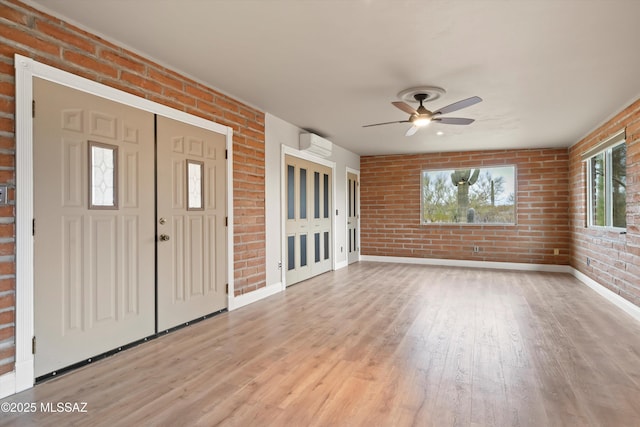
353,216
308,219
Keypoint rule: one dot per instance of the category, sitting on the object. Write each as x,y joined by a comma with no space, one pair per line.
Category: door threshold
70,368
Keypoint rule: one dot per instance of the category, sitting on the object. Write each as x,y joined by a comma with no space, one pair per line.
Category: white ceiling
549,71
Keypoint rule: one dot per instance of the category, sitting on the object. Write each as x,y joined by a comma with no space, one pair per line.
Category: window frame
605,148
116,172
476,224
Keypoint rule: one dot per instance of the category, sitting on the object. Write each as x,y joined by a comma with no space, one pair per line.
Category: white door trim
26,69
290,151
346,196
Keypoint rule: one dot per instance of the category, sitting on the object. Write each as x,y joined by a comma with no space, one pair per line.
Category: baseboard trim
553,268
257,295
7,384
627,306
621,303
342,264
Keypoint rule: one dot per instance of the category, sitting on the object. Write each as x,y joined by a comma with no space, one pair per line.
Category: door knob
164,237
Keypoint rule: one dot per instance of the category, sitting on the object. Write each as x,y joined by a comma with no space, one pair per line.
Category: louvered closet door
191,222
94,233
308,237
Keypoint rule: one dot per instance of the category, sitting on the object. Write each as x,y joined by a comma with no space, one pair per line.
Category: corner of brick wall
614,258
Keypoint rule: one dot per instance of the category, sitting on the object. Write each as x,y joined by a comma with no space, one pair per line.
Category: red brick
7,301
122,61
209,108
141,82
227,104
7,249
164,79
7,317
199,93
7,106
91,63
6,124
7,284
28,40
7,268
179,96
6,160
63,35
11,14
6,333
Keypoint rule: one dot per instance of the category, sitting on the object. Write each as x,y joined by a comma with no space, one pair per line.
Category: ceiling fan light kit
421,122
421,117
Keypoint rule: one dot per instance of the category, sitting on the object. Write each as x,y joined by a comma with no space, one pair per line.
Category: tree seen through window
469,196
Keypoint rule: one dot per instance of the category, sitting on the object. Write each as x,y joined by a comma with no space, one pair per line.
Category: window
469,196
194,185
103,176
607,183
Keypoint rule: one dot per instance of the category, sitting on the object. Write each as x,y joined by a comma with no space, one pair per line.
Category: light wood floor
377,345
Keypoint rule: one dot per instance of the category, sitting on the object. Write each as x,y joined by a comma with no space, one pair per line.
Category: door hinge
227,288
226,154
33,345
33,227
226,221
33,108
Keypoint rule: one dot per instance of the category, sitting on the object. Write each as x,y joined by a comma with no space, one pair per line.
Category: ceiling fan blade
405,107
459,105
453,120
411,131
386,123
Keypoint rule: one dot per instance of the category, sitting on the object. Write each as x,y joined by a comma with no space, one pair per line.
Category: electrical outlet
556,251
3,195
476,249
279,265
588,261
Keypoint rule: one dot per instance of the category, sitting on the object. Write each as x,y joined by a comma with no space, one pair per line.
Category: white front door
308,219
353,217
191,226
93,226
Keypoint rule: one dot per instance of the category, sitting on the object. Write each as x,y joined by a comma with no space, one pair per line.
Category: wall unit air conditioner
315,144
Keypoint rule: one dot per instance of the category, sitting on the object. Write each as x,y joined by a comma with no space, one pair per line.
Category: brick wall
614,257
48,40
390,211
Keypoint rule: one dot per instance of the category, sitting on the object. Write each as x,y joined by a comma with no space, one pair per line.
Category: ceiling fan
421,117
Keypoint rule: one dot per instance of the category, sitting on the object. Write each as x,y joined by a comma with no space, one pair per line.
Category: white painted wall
278,133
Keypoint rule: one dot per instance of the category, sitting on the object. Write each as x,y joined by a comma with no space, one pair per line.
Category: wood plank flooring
376,345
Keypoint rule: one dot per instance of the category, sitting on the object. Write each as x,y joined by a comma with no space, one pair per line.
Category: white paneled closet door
308,239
